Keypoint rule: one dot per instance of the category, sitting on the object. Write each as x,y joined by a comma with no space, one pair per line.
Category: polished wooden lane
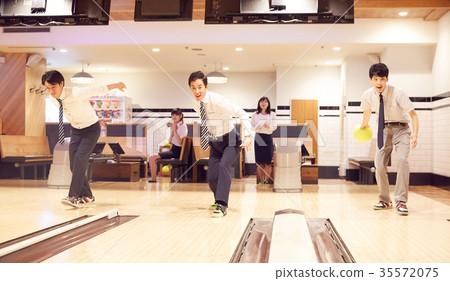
174,224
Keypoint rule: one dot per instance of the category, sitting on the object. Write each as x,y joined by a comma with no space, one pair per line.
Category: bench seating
179,167
26,151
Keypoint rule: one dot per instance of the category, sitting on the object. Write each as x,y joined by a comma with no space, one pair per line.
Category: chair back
185,150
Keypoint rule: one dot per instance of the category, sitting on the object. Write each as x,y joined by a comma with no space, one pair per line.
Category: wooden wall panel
35,100
384,4
303,111
12,85
21,110
198,11
122,9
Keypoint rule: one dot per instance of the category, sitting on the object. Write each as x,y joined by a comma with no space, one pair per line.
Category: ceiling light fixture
156,50
403,13
216,77
336,48
82,77
239,49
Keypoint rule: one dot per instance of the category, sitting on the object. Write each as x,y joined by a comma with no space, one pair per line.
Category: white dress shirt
182,131
259,119
397,104
219,112
76,106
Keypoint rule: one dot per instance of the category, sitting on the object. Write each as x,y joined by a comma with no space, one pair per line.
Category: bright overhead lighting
82,77
239,49
63,50
216,77
225,68
402,14
156,50
336,48
328,63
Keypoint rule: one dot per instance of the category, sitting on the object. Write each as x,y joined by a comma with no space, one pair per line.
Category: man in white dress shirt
85,130
224,141
393,107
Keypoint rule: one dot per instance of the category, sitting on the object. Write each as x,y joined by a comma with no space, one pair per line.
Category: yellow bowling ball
362,135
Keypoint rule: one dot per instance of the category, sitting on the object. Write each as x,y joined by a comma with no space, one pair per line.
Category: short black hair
52,77
378,69
198,75
177,111
259,109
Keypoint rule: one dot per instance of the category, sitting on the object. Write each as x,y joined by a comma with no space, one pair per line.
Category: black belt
395,124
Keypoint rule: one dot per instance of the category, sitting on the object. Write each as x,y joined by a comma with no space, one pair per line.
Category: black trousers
82,143
224,151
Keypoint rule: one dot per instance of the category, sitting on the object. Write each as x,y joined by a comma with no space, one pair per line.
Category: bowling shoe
219,212
382,205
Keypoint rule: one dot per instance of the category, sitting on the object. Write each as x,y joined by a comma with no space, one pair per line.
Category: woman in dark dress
264,123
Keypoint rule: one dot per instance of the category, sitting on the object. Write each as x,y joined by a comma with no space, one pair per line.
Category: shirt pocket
392,104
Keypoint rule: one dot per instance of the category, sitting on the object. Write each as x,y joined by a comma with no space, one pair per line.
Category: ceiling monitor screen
278,6
29,8
278,11
163,10
54,12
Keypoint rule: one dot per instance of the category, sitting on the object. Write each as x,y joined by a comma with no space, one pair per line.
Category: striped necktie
61,124
380,123
204,134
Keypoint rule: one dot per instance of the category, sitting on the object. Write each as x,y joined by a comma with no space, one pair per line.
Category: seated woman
178,130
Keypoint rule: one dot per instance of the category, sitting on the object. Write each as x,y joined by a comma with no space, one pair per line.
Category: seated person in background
178,130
